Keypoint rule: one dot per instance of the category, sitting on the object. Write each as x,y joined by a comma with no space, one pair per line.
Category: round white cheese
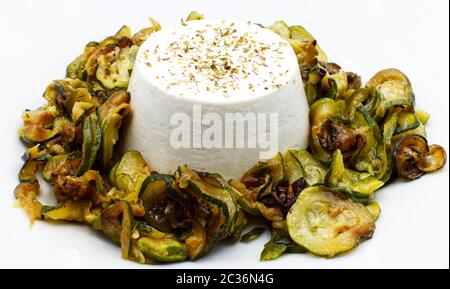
217,95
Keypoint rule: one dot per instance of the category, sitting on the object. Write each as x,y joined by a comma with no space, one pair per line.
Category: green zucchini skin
279,244
216,196
212,191
155,190
253,234
27,173
91,142
162,250
407,121
314,172
345,180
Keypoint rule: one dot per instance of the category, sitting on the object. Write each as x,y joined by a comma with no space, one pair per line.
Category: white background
38,39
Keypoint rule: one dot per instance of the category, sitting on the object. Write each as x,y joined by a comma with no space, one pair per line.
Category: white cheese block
216,67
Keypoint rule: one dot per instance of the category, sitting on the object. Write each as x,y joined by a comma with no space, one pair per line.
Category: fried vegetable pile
318,200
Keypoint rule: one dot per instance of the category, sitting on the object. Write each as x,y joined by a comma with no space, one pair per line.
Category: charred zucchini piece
111,115
27,173
409,152
155,192
127,173
142,35
420,130
42,125
69,211
76,68
91,142
373,153
301,34
115,73
118,224
406,121
243,199
66,164
345,180
272,251
162,250
321,111
252,234
26,194
263,175
435,160
413,157
257,185
71,96
39,152
314,171
312,84
327,223
279,244
385,151
292,167
218,181
211,192
334,83
394,90
196,244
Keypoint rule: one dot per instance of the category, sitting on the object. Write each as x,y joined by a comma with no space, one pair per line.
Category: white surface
154,103
40,37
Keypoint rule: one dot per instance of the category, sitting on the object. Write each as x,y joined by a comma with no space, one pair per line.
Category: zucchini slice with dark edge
127,172
374,209
91,142
69,211
27,173
280,243
314,172
413,157
321,111
214,195
111,114
42,125
26,194
197,242
253,234
301,34
394,90
406,121
163,249
118,223
345,180
327,223
242,198
261,177
233,200
292,167
154,194
65,163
